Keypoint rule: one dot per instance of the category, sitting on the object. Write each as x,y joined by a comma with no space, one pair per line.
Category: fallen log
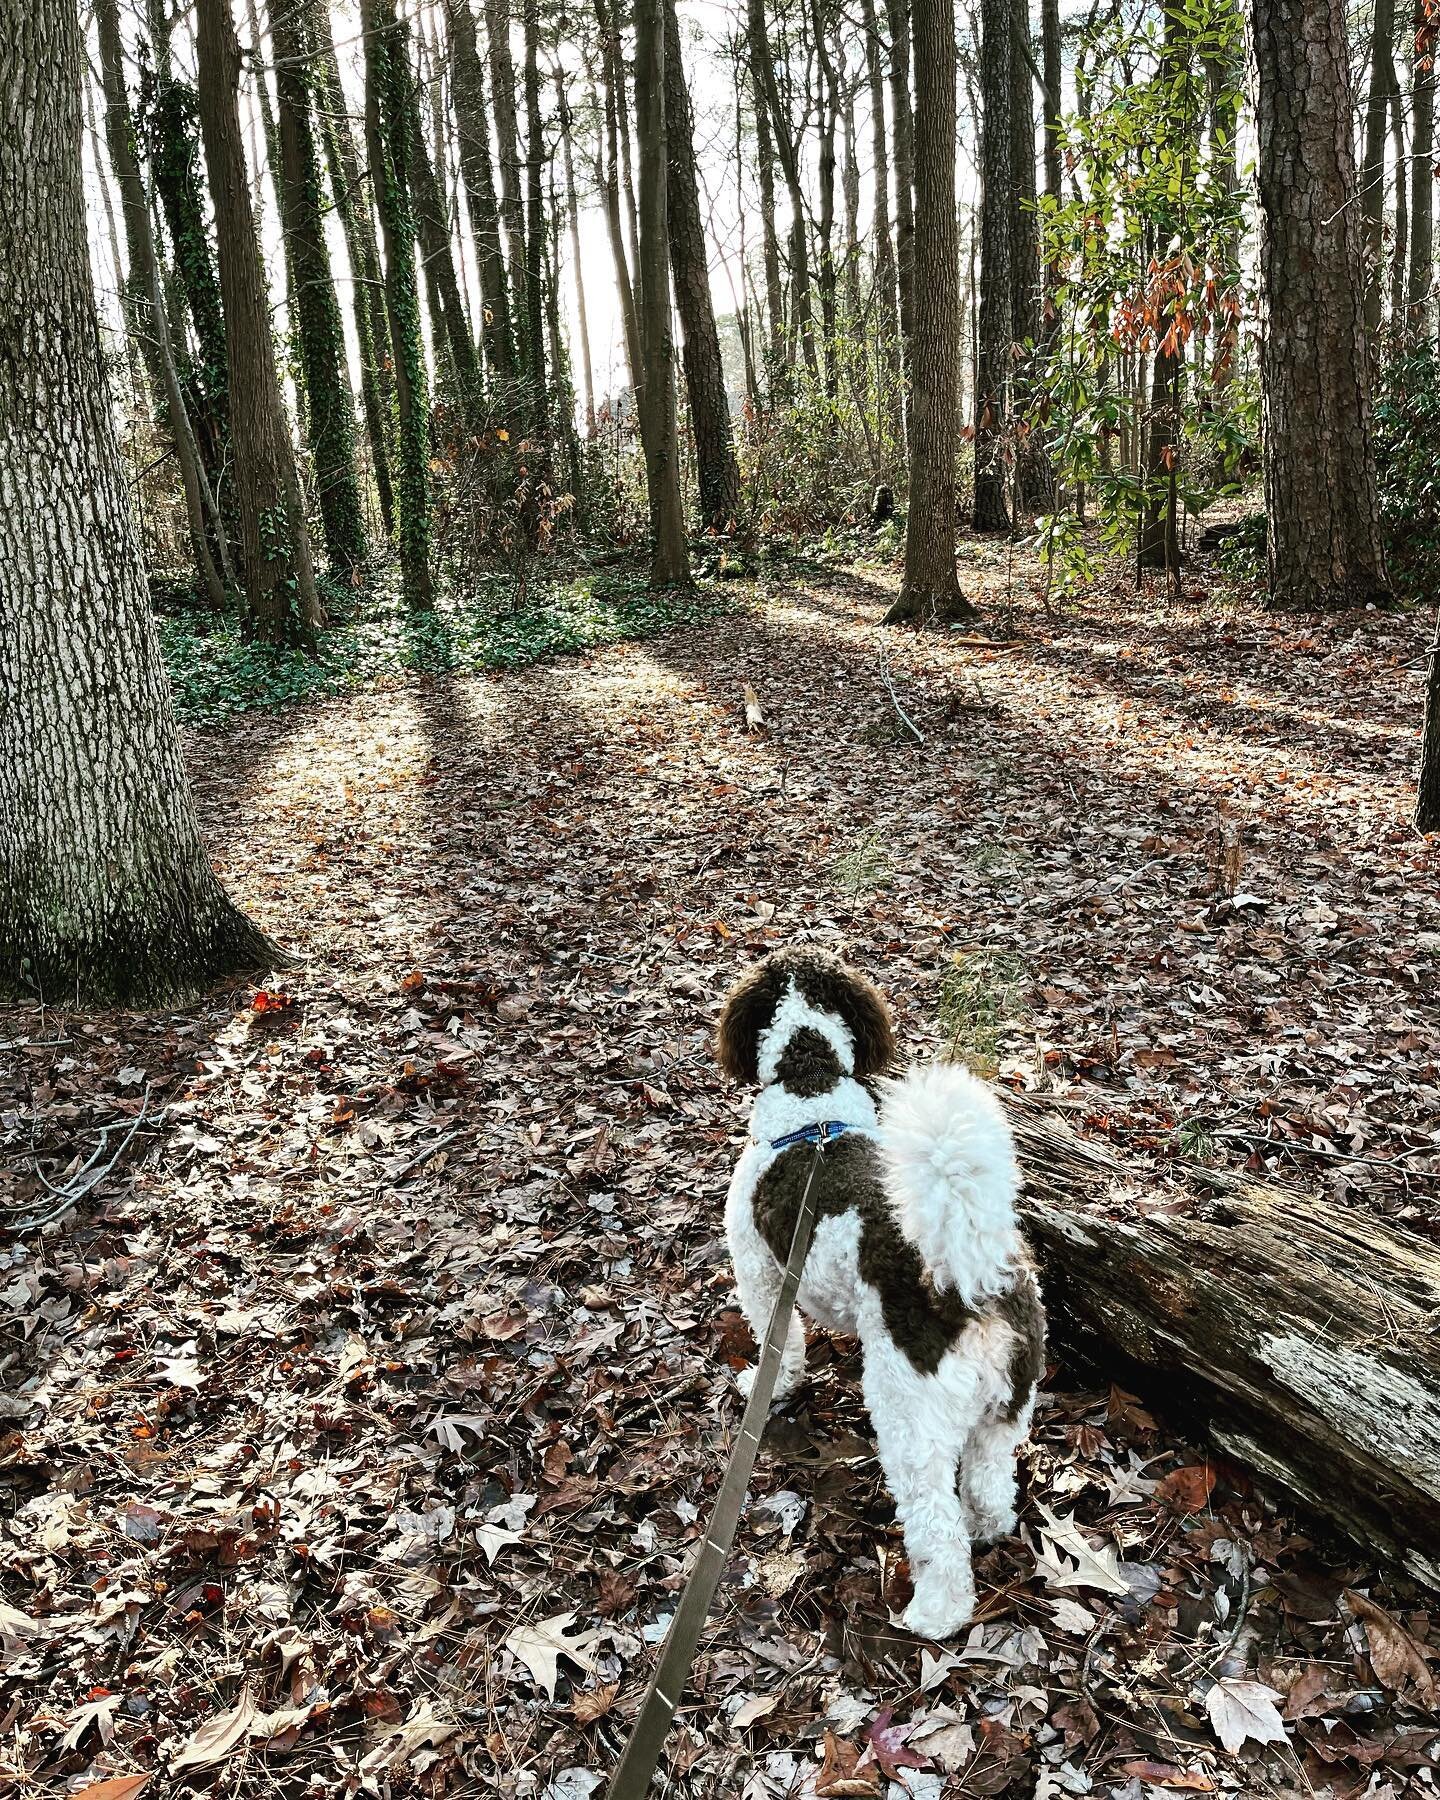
1303,1337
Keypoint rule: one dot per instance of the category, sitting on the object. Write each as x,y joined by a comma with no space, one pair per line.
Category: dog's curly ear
867,1014
749,1008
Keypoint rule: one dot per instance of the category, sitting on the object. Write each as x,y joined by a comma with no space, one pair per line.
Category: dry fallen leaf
115,1787
218,1737
1243,1710
541,1646
1395,1655
1068,1561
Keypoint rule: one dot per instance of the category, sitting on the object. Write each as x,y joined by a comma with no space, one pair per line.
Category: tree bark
1422,181
930,588
1323,543
372,331
1427,794
1372,168
432,223
572,216
608,163
512,206
1400,249
387,133
467,91
829,113
1032,465
897,14
788,150
997,25
276,569
106,895
668,563
321,335
891,376
1301,1333
765,173
717,474
535,223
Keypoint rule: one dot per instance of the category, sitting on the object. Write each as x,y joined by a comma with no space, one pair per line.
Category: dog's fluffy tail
951,1176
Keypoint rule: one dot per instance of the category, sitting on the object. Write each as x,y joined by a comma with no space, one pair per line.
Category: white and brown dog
916,1249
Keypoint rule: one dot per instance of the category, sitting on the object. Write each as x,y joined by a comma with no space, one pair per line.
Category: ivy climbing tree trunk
668,563
319,331
279,580
502,91
387,122
106,894
716,471
1323,543
997,21
931,589
467,89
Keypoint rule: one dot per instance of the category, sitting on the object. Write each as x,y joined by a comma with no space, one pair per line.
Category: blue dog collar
823,1132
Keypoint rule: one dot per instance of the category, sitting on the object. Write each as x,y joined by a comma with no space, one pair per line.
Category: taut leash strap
657,1709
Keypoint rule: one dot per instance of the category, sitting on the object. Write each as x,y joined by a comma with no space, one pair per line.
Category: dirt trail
390,1366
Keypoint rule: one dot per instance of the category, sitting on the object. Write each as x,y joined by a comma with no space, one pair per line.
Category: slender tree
319,331
1372,169
883,249
1323,541
765,176
106,894
608,171
432,222
930,588
387,131
274,539
897,14
467,92
997,24
572,219
536,158
715,467
1422,172
668,564
788,146
512,208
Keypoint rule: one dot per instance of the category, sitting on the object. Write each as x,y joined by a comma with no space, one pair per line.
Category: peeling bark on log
1304,1336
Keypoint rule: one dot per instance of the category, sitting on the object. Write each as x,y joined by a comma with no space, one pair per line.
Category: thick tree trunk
106,895
1323,544
387,132
467,90
668,564
1372,168
1422,186
931,588
717,475
330,403
372,331
997,26
274,539
1301,1333
1427,795
897,15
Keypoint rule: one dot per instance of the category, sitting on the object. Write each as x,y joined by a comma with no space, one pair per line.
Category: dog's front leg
758,1279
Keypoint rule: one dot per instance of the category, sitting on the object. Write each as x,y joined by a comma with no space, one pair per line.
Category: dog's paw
745,1381
990,1527
938,1612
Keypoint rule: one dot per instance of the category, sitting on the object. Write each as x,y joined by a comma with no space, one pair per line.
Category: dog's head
814,983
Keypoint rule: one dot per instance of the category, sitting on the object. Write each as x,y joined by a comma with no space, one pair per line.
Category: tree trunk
512,206
1427,797
897,14
609,165
1323,542
829,112
467,90
1032,464
106,895
668,564
1372,168
931,589
572,215
330,403
1400,249
765,172
147,310
372,331
274,540
788,151
717,475
1300,1332
891,378
432,222
1422,184
535,222
387,132
997,25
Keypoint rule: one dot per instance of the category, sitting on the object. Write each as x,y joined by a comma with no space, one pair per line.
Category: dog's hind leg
919,1439
987,1476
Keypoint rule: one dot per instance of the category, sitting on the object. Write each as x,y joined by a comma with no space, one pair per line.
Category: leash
657,1709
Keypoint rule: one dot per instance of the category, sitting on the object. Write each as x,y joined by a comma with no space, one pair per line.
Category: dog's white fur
949,1169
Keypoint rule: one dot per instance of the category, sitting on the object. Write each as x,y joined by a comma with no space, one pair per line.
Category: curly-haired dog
916,1249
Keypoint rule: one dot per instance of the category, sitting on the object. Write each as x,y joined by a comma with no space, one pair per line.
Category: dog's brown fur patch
829,985
1022,1311
922,1321
808,1064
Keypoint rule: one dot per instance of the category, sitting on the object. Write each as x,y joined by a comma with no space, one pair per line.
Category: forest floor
359,1424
